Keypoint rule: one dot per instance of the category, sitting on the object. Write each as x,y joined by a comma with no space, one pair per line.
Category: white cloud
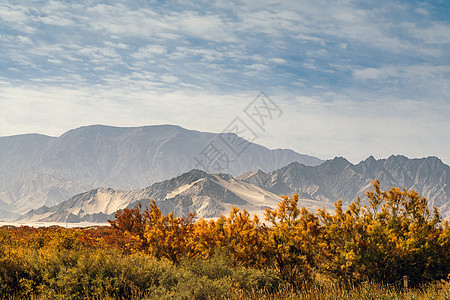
149,51
317,53
437,33
204,54
17,17
422,11
54,61
13,13
210,27
55,20
416,81
277,60
258,67
368,73
24,40
116,45
122,21
169,78
307,38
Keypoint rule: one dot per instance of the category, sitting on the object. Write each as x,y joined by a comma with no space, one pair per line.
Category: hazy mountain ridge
39,170
339,179
195,191
211,195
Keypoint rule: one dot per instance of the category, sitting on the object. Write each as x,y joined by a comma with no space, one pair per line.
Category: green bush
109,274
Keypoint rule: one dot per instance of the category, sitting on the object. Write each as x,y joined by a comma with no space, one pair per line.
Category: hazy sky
352,78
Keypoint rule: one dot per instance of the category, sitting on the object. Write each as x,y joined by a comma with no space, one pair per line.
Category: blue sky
353,78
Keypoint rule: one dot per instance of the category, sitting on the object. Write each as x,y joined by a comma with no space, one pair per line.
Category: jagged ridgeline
38,170
211,195
339,179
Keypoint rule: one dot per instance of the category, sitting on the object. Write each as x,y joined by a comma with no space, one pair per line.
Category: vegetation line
362,252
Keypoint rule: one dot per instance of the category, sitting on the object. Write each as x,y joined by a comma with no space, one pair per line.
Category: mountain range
38,170
339,179
88,173
210,195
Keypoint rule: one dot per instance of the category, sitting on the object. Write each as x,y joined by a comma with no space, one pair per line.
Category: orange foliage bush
393,235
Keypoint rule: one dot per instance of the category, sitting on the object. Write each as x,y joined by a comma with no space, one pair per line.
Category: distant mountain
339,179
210,195
37,170
195,191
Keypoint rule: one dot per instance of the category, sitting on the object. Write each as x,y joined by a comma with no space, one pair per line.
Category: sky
348,78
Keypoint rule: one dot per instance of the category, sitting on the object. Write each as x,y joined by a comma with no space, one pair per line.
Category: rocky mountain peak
120,157
339,179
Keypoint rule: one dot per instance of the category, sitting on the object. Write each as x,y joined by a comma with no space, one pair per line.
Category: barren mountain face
37,170
212,195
